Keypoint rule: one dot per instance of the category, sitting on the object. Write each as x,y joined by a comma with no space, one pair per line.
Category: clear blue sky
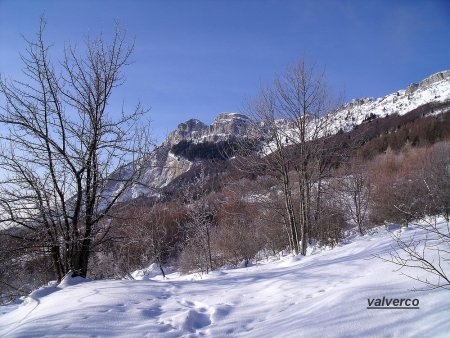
199,58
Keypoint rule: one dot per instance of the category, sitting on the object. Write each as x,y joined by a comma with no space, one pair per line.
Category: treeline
244,221
396,131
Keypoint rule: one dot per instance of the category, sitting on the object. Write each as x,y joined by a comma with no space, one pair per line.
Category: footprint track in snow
151,312
199,315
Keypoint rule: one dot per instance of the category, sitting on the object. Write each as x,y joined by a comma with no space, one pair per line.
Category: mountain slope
163,165
325,292
434,89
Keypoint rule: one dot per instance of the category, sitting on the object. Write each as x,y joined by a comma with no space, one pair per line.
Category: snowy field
324,294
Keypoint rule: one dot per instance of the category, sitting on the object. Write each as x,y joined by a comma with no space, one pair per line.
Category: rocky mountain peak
228,124
229,117
189,130
223,127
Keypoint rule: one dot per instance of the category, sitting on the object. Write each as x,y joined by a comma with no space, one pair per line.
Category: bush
411,184
21,271
238,237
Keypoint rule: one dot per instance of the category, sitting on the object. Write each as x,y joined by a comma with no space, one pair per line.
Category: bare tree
15,271
274,158
157,232
352,191
438,179
240,235
401,192
328,229
198,227
61,147
304,100
427,251
290,117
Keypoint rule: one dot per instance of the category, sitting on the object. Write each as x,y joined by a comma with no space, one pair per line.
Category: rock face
412,88
441,76
223,126
190,130
226,124
438,77
163,166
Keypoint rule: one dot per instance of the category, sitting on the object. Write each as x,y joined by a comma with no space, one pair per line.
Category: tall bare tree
303,99
198,227
62,149
290,116
274,157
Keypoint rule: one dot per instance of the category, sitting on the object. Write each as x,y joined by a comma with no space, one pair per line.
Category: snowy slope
322,294
433,89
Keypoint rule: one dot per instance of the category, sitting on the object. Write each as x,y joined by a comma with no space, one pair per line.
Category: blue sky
195,59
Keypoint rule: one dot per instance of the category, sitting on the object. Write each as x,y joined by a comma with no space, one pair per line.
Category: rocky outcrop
444,75
190,130
226,124
223,126
412,88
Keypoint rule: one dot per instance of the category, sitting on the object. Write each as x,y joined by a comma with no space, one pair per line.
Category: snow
400,102
325,293
148,273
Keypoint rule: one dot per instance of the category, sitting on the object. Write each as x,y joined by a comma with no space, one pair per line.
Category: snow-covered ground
325,294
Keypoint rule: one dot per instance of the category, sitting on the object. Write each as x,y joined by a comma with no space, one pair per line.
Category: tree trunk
162,270
57,266
80,267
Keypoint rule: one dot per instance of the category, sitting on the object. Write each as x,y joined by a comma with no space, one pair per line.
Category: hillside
290,297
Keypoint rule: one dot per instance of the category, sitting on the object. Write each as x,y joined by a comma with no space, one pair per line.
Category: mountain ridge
163,165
